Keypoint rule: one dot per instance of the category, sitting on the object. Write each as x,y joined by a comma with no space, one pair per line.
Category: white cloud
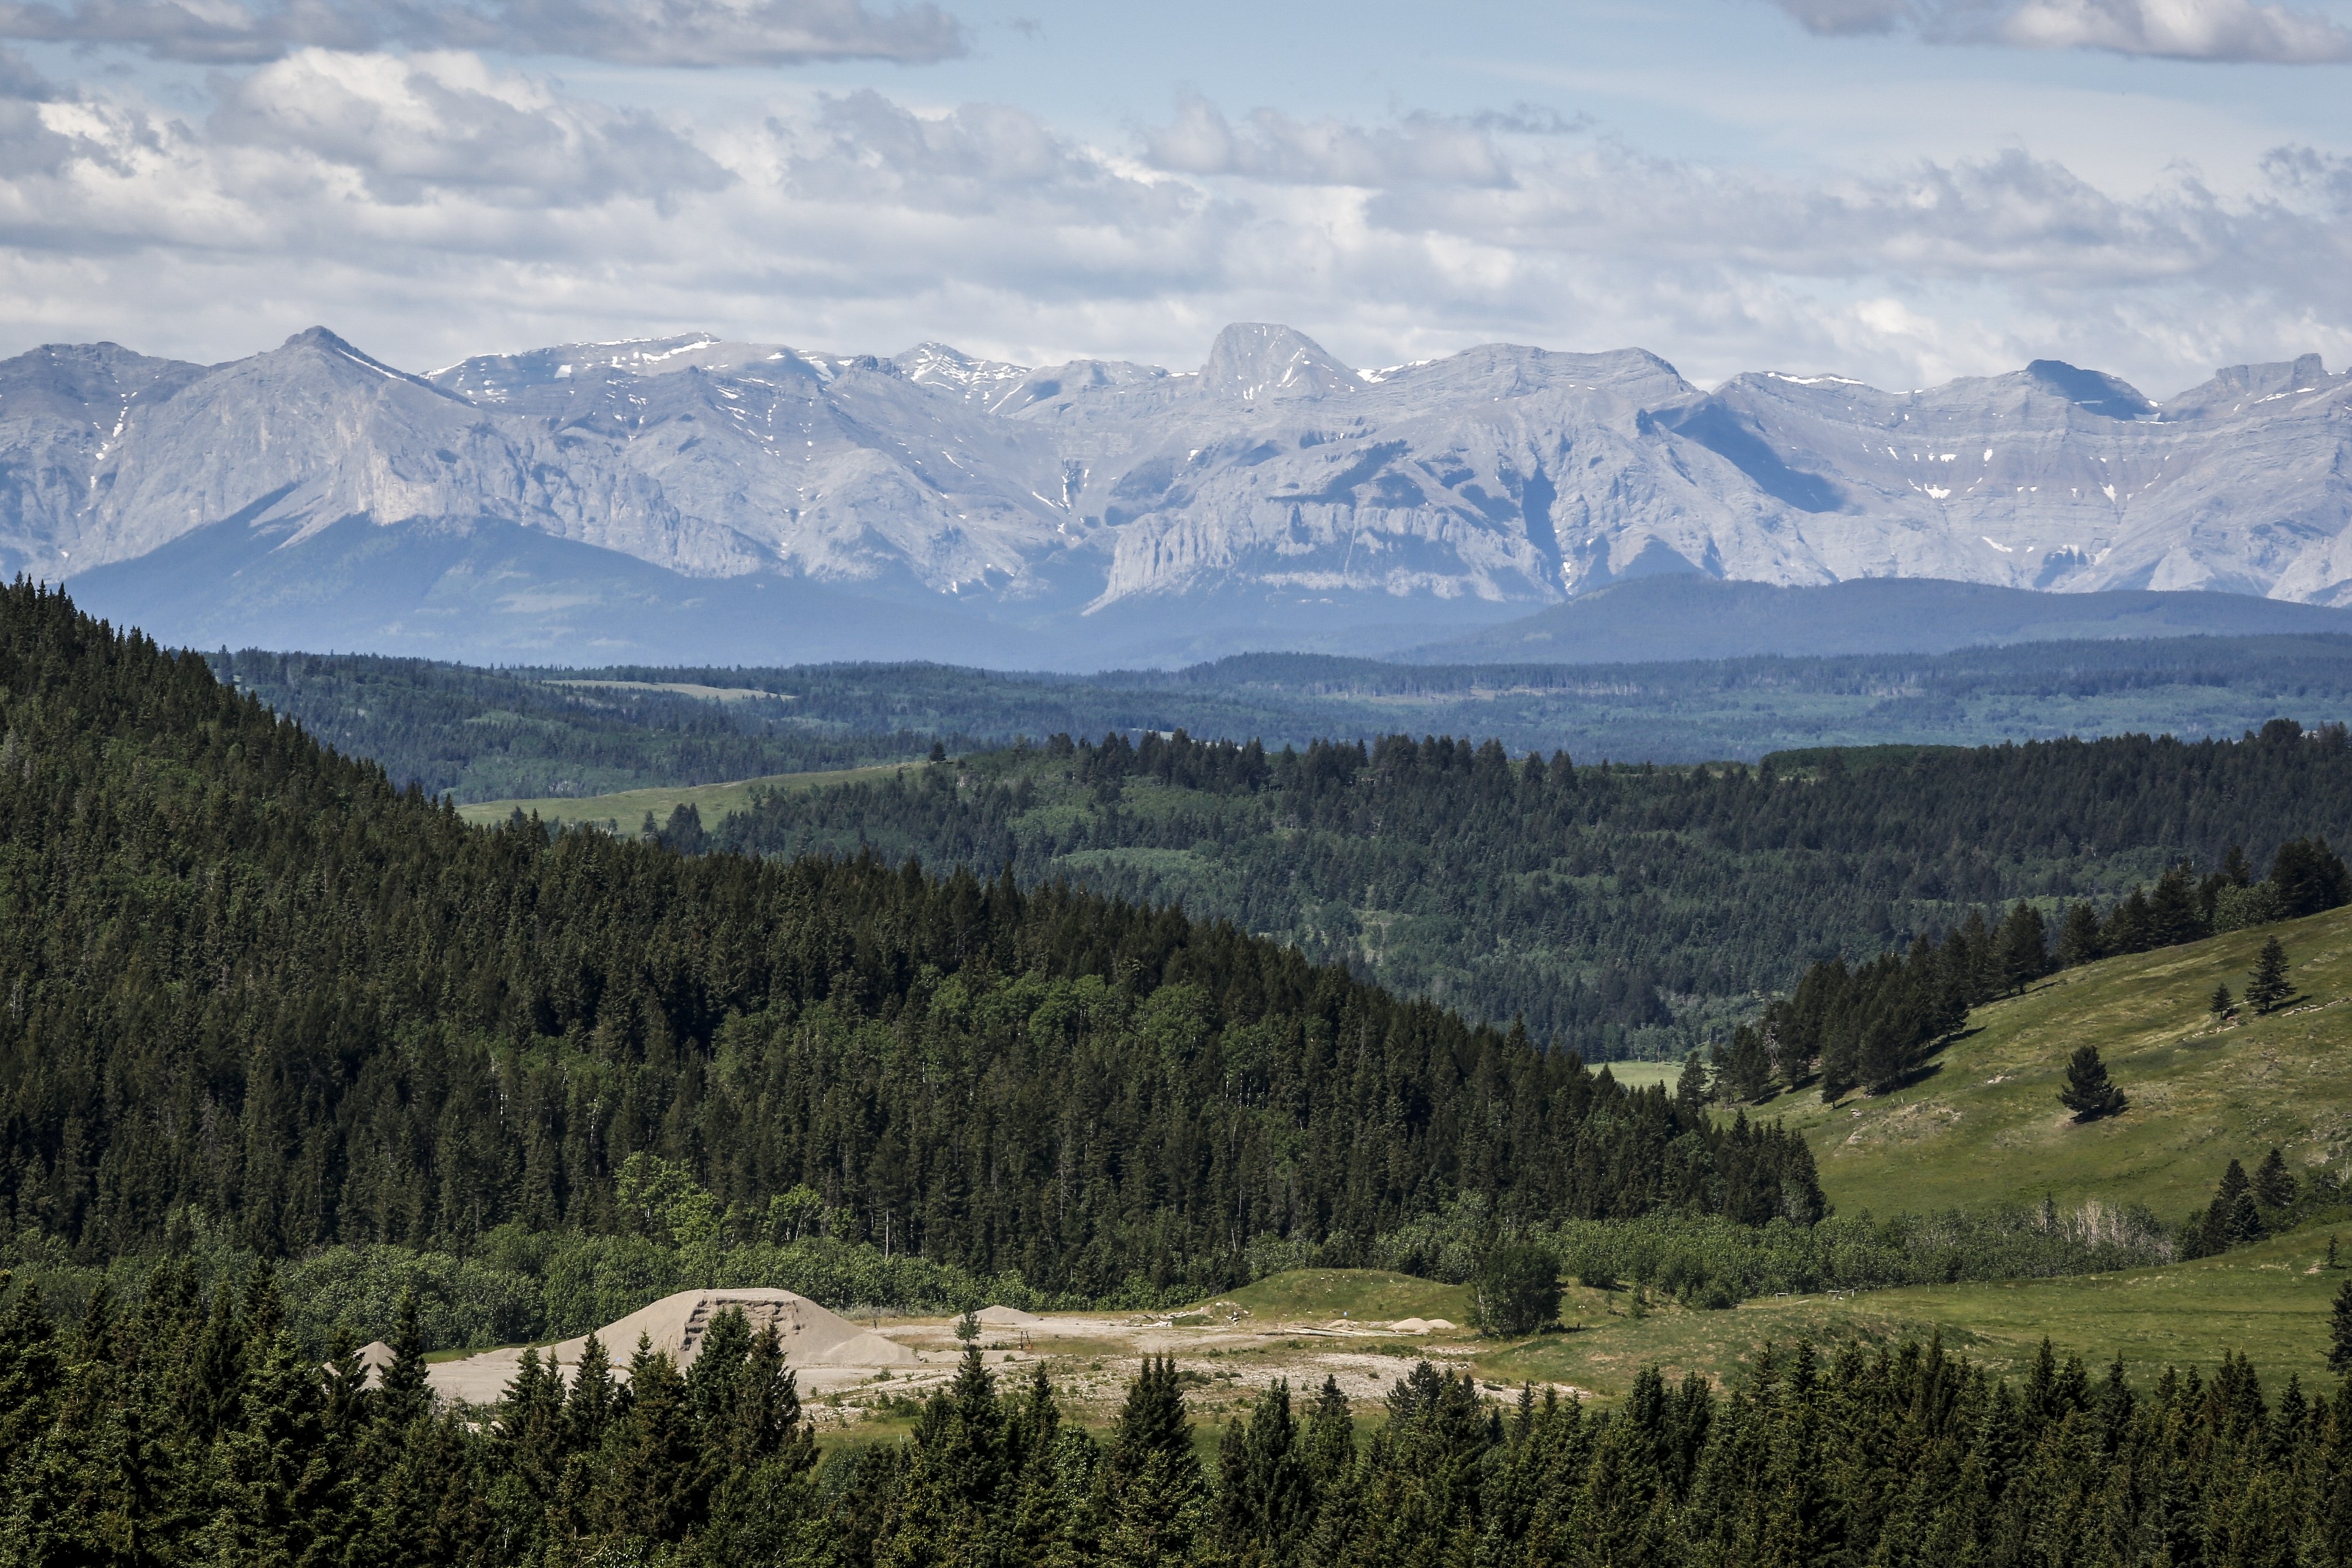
1270,145
2231,30
430,206
406,128
636,32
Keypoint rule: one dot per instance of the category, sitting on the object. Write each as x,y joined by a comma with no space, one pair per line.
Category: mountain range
695,500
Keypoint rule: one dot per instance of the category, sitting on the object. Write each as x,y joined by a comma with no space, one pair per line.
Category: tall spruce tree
2339,1332
2269,989
2088,1092
1265,1492
404,1396
2078,937
2232,1220
2273,1184
2024,947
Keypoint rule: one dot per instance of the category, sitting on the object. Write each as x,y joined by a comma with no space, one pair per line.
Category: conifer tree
1691,1088
2339,1333
1151,1478
2308,876
1266,1493
1330,1441
2233,1219
1743,1070
2024,948
2089,1093
2273,1184
2220,1003
216,1382
2268,988
404,1396
2173,913
656,1476
2078,938
593,1402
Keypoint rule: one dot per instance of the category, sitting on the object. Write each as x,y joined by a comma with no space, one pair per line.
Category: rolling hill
1984,1124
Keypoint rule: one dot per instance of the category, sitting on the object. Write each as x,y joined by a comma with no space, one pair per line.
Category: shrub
1519,1289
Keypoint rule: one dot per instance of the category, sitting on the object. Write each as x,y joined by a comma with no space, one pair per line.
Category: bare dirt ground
1226,1358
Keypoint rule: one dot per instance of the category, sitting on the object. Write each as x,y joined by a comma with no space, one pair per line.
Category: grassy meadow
1983,1125
624,812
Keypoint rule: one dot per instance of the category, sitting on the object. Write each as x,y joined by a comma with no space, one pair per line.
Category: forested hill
240,972
1616,910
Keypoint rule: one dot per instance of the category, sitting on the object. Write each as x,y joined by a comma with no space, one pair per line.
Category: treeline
243,973
185,1429
1613,909
1874,1026
1688,712
516,1286
1710,1262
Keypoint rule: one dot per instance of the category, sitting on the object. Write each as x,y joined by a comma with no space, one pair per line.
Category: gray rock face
1276,483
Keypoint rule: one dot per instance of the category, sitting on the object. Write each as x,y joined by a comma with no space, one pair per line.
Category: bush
1519,1289
2239,909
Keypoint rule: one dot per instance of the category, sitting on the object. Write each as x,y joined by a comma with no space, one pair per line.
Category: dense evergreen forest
244,974
190,1430
1617,910
501,735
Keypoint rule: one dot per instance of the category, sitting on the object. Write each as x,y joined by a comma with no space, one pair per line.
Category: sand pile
811,1336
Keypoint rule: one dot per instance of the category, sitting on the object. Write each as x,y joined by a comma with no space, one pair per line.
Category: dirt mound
375,1357
810,1335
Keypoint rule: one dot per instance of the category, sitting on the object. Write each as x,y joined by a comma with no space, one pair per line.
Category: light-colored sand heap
811,1337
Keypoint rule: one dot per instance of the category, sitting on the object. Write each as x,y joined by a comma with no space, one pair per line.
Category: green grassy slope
1985,1125
2269,1300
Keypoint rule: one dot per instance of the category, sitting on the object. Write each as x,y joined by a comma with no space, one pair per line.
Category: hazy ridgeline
497,734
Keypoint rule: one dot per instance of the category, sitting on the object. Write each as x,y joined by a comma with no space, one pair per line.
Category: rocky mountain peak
1254,361
2093,390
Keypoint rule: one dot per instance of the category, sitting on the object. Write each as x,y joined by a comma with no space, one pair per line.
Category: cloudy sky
1901,190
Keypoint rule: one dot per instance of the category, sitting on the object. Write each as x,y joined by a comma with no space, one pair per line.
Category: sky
1902,191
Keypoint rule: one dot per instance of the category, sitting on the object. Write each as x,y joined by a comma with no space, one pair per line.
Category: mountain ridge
1274,495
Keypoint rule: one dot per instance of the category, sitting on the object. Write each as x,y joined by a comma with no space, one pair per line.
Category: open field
1984,1124
1641,1075
2269,1300
1365,1328
682,688
625,812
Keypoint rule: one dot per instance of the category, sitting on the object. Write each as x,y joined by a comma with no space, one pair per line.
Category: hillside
1984,1125
250,981
1618,911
